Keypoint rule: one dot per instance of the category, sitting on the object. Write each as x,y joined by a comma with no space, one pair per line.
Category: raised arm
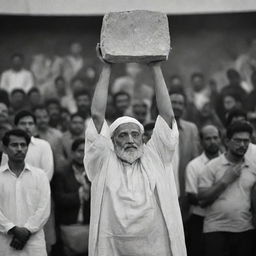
163,101
99,100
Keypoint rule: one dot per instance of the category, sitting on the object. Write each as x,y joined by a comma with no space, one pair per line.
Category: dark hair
32,90
18,91
238,126
82,92
178,90
75,115
15,132
117,94
21,114
39,107
17,54
59,78
76,143
4,97
52,101
233,114
197,74
232,73
149,126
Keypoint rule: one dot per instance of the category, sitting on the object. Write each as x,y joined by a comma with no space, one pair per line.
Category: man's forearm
162,96
208,196
99,101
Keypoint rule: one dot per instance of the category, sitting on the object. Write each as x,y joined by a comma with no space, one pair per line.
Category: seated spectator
76,130
24,201
225,189
17,77
54,110
210,141
83,103
34,98
72,195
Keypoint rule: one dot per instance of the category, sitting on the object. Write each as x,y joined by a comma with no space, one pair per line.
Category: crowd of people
44,115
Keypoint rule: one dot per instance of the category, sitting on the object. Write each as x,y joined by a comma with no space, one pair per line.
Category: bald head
210,139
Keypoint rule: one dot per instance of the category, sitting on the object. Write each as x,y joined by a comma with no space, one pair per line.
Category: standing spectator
72,196
34,98
210,141
140,111
24,200
225,187
186,150
17,77
54,110
76,130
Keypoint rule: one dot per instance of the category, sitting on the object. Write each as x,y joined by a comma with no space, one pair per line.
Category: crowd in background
51,102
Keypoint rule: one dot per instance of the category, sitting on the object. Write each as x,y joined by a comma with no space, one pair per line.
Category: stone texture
135,36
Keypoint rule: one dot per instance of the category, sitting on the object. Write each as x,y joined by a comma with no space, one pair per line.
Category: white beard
129,156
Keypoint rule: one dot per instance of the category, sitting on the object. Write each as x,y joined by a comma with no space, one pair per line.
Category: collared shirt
39,155
230,212
24,202
193,171
11,80
127,199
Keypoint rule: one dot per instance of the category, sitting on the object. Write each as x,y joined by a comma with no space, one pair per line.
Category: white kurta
25,202
134,203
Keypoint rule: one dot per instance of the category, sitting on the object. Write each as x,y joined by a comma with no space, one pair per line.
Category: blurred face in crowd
178,104
76,49
210,139
239,143
53,110
77,85
65,120
229,103
60,86
78,155
197,83
4,114
83,103
17,63
16,149
5,127
233,77
27,124
35,98
206,110
18,100
77,126
122,102
140,112
176,81
127,140
42,119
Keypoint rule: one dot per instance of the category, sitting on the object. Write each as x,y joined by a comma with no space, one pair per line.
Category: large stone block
135,36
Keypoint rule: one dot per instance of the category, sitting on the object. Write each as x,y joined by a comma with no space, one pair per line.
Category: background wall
208,43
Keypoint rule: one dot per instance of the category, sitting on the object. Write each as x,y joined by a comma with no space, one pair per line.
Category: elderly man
135,209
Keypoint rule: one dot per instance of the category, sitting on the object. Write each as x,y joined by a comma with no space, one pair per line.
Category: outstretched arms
162,96
99,100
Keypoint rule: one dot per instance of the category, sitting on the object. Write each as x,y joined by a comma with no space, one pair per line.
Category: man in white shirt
17,77
225,189
210,141
135,209
24,200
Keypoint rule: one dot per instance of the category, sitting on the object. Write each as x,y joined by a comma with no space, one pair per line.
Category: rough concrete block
135,36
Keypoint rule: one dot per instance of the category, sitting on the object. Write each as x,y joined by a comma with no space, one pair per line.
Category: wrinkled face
78,155
4,114
178,104
122,102
77,126
239,143
127,140
211,140
83,103
16,149
27,124
42,118
229,103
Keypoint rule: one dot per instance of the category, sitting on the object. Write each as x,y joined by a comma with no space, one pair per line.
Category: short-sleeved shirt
193,173
230,212
131,221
